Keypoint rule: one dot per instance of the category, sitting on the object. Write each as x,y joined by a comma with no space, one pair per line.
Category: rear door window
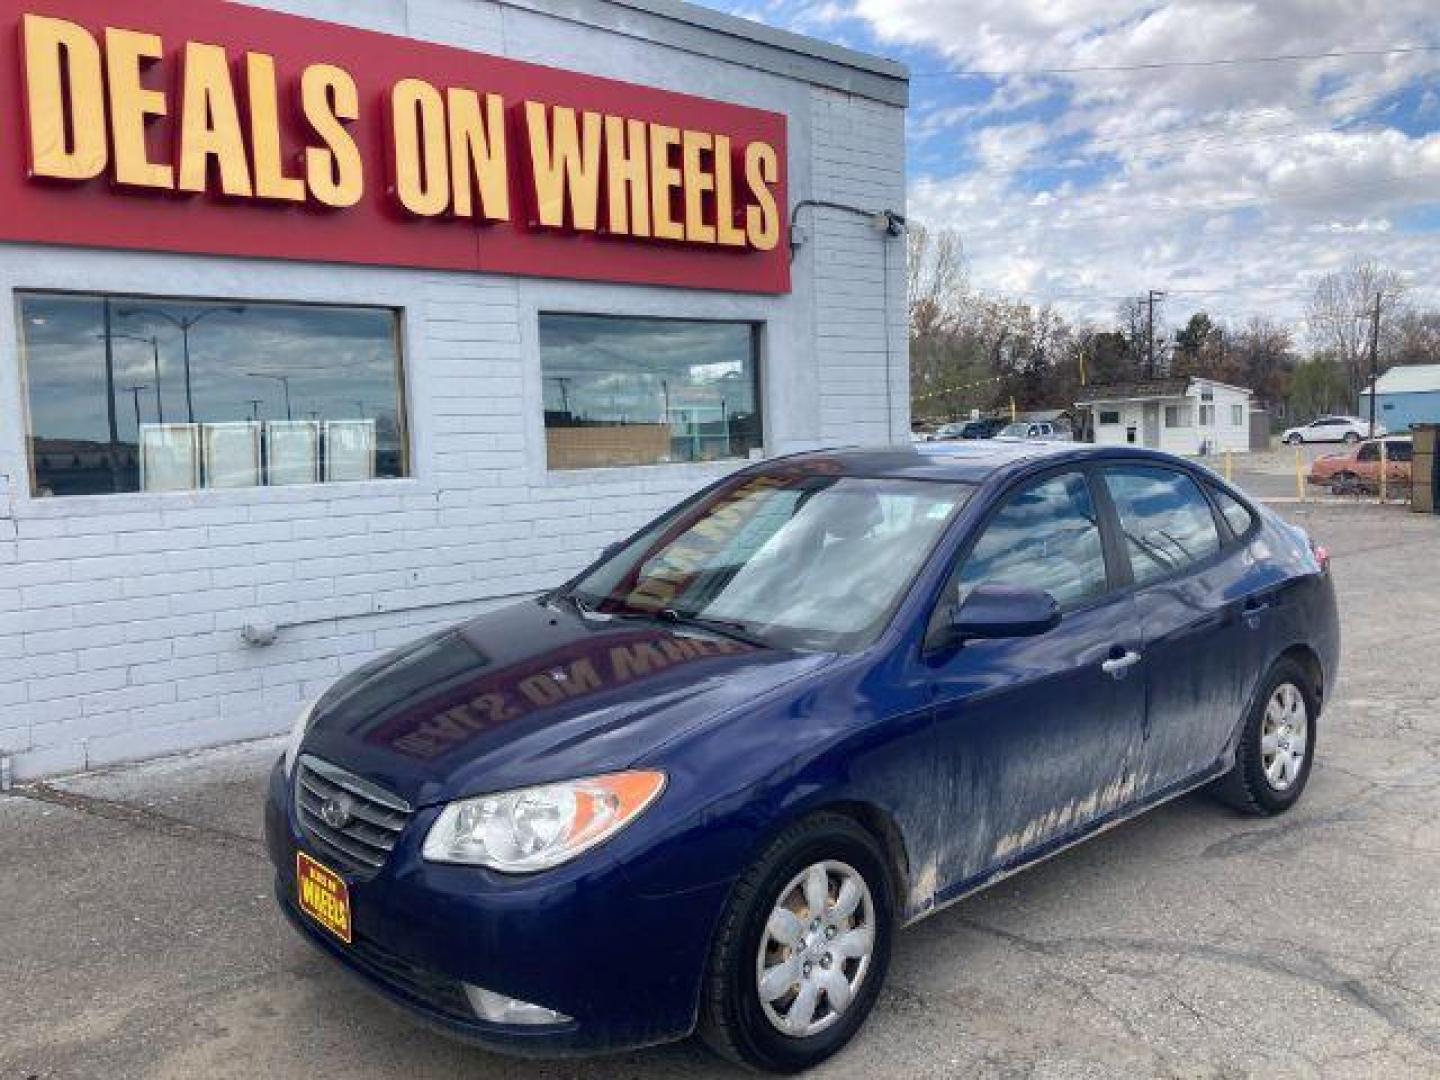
1399,449
1165,520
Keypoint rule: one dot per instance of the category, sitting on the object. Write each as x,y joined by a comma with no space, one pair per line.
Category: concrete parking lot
138,937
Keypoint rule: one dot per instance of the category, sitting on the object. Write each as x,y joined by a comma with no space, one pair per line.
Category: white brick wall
858,154
120,615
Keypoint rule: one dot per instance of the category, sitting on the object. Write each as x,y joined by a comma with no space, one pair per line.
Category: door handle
1253,608
1117,666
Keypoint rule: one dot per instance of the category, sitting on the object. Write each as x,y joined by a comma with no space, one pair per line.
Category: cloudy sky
1230,185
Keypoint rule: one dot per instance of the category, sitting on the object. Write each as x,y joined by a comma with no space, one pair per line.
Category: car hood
532,694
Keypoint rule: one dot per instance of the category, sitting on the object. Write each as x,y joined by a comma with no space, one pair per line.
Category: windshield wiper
573,598
737,631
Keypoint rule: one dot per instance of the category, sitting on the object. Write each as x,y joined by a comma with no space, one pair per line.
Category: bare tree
1416,337
1339,315
936,280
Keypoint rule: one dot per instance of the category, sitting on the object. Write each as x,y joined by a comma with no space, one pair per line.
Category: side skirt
965,889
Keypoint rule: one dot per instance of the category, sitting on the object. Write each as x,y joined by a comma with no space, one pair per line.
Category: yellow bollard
1229,467
1384,468
1299,475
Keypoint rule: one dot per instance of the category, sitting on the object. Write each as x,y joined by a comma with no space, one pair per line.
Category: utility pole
1374,356
134,392
114,449
184,325
1150,299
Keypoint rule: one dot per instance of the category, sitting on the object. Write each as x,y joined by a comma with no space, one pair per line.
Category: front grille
362,843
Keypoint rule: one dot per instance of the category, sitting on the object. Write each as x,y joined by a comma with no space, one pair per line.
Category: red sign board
203,127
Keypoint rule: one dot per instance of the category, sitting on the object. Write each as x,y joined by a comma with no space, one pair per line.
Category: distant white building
1187,415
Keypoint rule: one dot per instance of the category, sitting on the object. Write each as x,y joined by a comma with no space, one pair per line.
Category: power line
1246,203
1158,65
1159,144
1083,156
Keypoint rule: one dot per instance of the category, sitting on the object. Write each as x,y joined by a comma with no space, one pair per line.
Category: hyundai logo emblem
336,812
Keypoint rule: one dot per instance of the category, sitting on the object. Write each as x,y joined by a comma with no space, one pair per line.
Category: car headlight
297,735
519,832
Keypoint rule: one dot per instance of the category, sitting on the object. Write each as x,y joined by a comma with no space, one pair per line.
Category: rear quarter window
1235,513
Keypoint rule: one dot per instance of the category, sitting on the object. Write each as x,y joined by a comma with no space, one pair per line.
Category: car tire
1294,440
1259,782
734,1020
1345,483
1351,438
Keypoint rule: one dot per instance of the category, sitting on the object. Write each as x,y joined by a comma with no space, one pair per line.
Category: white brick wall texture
120,616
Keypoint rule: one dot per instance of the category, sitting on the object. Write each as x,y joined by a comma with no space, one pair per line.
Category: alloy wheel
816,948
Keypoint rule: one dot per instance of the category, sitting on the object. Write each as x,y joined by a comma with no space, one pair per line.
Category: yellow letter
210,124
58,55
335,172
422,174
566,164
727,232
271,182
664,179
697,182
478,155
626,176
762,221
132,105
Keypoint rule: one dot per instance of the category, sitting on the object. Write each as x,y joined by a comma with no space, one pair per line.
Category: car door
1036,735
1201,613
1367,463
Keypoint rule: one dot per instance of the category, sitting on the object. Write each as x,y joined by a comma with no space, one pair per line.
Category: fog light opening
499,1009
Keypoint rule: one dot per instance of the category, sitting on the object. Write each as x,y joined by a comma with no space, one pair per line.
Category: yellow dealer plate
323,895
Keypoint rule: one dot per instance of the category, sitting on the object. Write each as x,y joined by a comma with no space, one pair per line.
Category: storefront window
146,394
622,391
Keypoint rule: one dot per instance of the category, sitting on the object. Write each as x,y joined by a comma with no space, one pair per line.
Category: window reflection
1047,537
131,394
621,391
1166,520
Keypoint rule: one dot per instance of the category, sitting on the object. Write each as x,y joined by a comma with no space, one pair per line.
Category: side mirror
1004,611
611,549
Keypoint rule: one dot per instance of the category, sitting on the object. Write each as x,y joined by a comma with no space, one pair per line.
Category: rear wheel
1352,437
802,949
1277,747
1294,440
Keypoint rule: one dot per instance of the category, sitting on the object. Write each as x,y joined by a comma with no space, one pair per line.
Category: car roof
968,462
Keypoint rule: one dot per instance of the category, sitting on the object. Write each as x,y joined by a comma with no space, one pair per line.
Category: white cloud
1248,178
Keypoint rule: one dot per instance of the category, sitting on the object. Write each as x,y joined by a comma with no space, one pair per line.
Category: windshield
796,561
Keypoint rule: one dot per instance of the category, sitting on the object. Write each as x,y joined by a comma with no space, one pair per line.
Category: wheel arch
1309,661
879,823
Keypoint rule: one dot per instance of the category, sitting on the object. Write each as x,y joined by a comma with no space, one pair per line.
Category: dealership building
324,331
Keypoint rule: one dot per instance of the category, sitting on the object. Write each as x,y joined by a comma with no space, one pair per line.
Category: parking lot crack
139,817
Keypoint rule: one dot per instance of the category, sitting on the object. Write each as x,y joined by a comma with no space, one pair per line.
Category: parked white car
1346,429
1043,432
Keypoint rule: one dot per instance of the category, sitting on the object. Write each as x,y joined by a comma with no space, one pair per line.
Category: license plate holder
323,896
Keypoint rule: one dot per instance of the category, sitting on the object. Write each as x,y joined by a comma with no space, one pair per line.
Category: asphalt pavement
138,936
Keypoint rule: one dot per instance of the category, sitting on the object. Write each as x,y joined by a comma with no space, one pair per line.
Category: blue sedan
702,785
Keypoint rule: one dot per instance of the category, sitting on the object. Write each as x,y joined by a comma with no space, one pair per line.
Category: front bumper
580,939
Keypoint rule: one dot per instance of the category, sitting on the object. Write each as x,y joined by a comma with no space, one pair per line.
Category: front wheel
802,949
1277,747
